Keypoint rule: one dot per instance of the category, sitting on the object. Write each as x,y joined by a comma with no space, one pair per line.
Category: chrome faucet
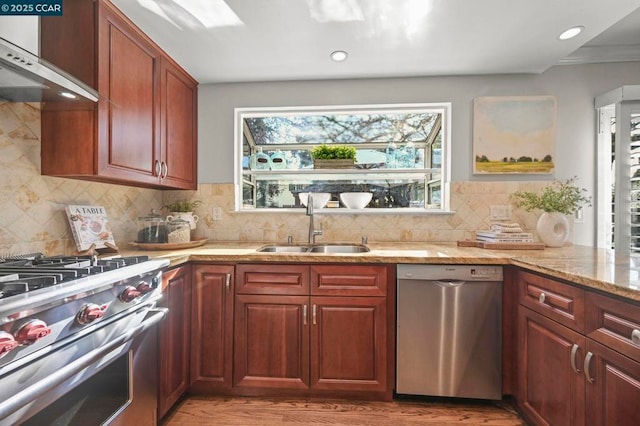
312,231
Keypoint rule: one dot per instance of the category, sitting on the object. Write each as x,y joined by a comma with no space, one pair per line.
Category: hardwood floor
234,411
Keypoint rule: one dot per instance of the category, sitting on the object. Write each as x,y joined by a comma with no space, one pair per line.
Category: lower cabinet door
271,341
349,343
613,387
212,328
174,338
551,387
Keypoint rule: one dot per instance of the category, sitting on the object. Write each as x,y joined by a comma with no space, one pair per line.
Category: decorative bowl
319,199
355,200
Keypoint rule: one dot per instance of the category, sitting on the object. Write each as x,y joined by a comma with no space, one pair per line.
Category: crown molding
599,54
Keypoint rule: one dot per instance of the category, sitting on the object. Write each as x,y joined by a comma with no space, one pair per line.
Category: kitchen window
402,156
619,170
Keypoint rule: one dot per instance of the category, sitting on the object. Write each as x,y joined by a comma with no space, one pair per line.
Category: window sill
344,211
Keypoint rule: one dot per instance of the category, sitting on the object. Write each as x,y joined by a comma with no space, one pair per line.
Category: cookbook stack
504,233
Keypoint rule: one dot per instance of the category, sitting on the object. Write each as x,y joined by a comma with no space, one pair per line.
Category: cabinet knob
542,297
635,337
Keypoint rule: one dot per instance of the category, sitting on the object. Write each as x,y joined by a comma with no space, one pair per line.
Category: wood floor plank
236,411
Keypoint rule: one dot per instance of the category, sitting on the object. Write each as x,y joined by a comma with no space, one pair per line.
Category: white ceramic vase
553,229
186,216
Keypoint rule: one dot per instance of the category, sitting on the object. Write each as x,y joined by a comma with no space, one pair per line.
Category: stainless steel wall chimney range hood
26,78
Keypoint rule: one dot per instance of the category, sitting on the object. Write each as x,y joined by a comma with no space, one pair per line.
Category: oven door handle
19,400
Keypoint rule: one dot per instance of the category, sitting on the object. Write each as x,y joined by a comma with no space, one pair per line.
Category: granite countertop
593,268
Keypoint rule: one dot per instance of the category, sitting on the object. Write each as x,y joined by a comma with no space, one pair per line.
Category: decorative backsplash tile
33,218
469,201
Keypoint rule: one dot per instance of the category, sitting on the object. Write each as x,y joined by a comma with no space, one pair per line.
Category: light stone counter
592,268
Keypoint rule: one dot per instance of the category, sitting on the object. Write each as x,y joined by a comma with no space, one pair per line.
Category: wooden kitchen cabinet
578,355
178,133
348,343
550,390
613,387
313,329
271,341
142,130
174,338
212,328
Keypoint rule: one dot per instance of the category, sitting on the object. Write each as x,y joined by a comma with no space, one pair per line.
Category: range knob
7,343
144,287
31,332
128,294
89,313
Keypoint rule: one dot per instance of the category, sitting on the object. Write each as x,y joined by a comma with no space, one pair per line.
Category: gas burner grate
29,272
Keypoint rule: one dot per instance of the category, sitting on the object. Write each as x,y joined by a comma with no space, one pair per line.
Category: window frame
614,222
444,108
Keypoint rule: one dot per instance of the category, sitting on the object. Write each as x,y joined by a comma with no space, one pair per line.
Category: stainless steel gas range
77,344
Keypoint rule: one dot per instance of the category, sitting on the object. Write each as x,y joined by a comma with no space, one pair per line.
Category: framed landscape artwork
514,134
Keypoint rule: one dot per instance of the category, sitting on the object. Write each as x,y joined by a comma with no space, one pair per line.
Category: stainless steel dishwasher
449,331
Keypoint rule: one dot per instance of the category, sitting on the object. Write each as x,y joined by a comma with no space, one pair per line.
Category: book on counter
504,240
504,235
89,226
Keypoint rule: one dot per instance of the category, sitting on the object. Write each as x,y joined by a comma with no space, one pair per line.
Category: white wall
575,88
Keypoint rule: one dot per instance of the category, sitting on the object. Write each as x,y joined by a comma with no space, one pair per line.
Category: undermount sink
315,248
339,248
283,249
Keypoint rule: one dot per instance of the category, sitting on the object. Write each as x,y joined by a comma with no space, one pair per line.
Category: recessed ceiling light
338,56
68,95
571,32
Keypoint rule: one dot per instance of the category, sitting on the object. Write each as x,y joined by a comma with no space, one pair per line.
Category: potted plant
333,156
557,200
183,209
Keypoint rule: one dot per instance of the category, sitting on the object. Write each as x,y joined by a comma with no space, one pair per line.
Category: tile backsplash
470,202
33,217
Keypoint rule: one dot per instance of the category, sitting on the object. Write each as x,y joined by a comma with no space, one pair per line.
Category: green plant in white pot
183,209
557,200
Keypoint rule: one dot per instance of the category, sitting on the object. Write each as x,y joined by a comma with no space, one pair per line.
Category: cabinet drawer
349,280
272,279
560,302
614,323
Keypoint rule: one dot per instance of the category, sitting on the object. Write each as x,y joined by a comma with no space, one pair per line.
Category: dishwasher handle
449,283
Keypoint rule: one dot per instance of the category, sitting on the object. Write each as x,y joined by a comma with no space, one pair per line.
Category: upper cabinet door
179,128
129,142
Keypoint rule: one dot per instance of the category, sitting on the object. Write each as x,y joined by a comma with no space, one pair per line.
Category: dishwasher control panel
450,272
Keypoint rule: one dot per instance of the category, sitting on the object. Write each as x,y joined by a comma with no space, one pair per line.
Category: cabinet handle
165,169
228,282
587,363
304,314
574,351
158,168
313,314
635,337
542,297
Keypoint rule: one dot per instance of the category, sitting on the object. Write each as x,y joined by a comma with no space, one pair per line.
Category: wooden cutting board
501,246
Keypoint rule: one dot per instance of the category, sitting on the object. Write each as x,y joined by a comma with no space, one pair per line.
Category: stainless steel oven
81,351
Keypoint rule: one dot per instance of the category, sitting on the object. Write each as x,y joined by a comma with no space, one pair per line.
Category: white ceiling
270,40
